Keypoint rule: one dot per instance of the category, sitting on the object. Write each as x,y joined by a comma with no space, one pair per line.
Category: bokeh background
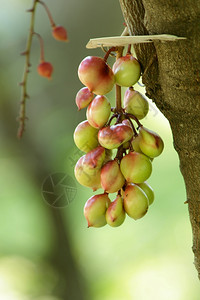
48,253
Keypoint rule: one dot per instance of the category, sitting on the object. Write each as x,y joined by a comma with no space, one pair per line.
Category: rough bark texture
171,73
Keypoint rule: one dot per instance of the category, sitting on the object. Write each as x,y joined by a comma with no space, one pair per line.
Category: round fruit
95,73
126,70
135,103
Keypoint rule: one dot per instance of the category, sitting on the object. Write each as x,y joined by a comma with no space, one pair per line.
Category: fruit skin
86,136
88,168
98,111
45,69
95,73
115,214
90,179
150,142
135,103
112,137
95,210
136,167
83,98
135,201
94,160
126,70
135,144
112,179
60,33
148,191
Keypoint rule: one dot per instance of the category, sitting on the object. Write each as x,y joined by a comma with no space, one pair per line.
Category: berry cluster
118,156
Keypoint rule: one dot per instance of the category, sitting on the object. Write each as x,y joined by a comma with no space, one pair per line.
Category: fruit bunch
119,150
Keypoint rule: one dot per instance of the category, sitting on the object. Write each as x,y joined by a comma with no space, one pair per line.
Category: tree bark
171,74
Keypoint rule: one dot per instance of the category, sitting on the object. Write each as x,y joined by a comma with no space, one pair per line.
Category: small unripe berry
112,179
60,33
135,103
45,69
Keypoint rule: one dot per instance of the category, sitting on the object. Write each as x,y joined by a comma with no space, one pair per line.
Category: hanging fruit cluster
118,157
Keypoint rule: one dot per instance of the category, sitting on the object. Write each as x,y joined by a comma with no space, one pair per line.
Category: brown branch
23,84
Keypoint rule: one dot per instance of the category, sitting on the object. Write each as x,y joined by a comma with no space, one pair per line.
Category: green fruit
126,70
136,167
150,142
148,191
115,214
86,137
98,111
90,178
95,210
135,201
94,160
112,179
135,144
135,103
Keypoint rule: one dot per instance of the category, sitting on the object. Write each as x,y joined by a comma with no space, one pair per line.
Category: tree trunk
171,74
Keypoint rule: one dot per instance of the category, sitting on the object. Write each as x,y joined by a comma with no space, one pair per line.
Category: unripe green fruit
150,142
95,73
136,167
83,98
135,144
112,179
86,136
115,214
135,103
95,210
87,178
126,70
135,201
112,137
148,191
98,111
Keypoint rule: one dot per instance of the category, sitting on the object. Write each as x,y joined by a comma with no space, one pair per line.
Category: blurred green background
48,253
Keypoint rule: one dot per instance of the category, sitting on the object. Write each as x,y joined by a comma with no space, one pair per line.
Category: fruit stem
129,49
108,53
22,113
134,118
41,46
118,88
48,13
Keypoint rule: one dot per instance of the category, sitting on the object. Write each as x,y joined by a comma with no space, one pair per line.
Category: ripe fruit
126,70
59,33
112,179
95,73
98,111
115,214
45,69
95,210
148,191
94,160
135,201
135,103
87,178
150,142
83,98
112,137
86,136
136,167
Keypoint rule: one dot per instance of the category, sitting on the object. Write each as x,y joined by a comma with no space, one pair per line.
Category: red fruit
60,33
45,69
83,98
112,137
94,72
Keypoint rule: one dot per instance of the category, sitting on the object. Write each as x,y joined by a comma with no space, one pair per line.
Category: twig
22,113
